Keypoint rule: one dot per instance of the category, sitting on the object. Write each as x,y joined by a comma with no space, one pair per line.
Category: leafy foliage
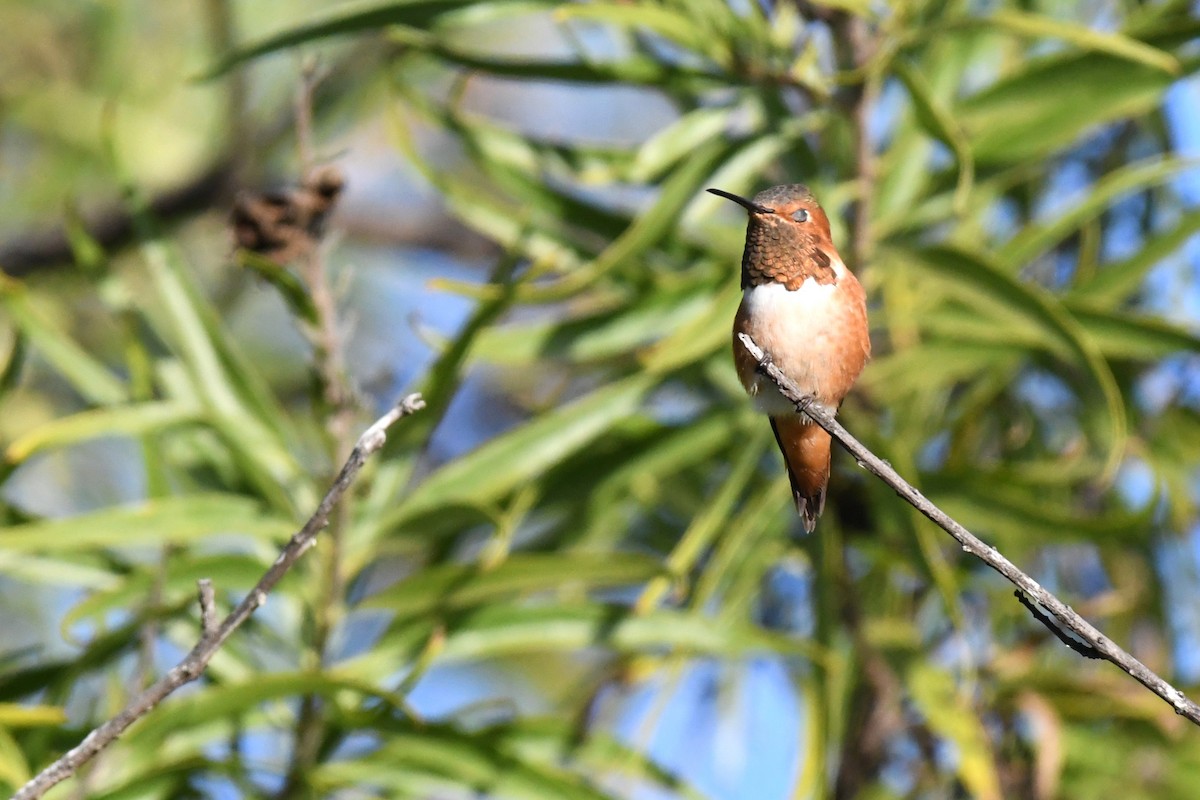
1002,178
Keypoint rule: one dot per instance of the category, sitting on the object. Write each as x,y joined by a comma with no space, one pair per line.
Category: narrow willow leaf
987,284
89,377
347,18
215,703
451,587
1128,336
14,360
632,70
1037,238
545,740
711,520
733,572
940,123
1083,37
30,716
287,283
594,336
433,761
504,463
647,227
74,570
937,363
14,767
951,716
1021,514
1028,115
248,419
128,420
1117,281
234,572
671,24
501,630
172,519
677,141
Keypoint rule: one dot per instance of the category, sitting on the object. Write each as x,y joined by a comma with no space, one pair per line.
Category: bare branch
1064,614
194,664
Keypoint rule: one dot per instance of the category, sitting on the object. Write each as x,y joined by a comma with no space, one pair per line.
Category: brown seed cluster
285,225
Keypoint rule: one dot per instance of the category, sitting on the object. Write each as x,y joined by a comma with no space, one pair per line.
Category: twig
194,664
1064,614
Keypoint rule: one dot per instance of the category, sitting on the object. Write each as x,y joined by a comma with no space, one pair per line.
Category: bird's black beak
749,205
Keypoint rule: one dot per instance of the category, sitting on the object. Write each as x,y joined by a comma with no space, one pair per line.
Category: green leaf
1129,336
1117,281
287,283
647,228
69,569
13,361
508,461
988,286
594,337
671,24
248,418
172,519
939,122
1036,239
951,716
89,377
997,506
30,716
232,572
498,630
231,701
14,767
709,522
1028,115
452,587
677,141
348,18
437,760
1083,37
128,420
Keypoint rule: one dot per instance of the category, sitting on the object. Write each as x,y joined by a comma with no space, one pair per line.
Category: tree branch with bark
1092,643
214,635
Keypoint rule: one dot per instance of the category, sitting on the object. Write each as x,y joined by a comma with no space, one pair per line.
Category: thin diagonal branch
211,640
1064,614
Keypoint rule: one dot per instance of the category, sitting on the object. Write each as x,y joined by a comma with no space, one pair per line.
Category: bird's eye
800,215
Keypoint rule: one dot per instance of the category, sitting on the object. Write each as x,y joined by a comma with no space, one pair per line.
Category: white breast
801,330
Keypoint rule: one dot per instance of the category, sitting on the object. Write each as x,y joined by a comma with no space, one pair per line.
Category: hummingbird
808,312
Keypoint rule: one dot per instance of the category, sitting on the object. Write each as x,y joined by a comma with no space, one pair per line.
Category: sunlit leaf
988,285
127,420
172,519
451,587
93,380
1027,114
1085,37
951,716
509,460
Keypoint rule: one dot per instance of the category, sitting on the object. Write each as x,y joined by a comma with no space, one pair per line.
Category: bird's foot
804,402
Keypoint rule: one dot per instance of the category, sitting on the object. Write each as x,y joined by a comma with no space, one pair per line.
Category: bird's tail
805,447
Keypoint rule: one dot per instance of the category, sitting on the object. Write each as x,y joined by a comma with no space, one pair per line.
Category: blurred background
578,573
